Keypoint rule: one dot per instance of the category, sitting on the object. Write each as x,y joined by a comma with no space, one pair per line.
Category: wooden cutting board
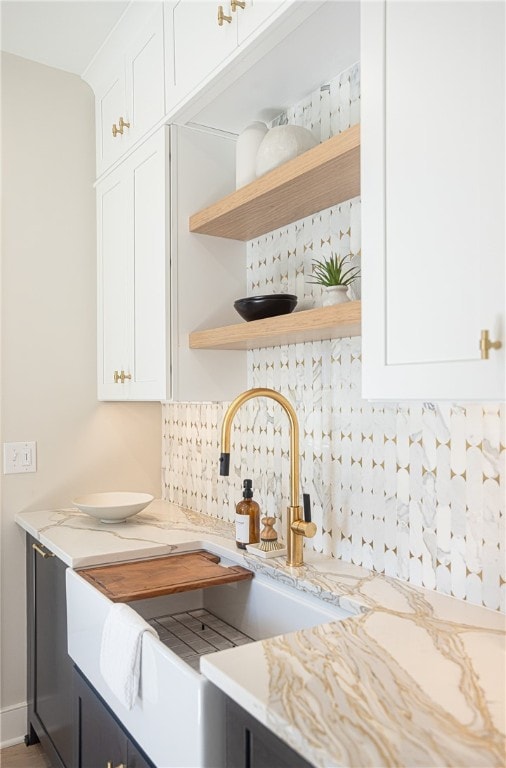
123,582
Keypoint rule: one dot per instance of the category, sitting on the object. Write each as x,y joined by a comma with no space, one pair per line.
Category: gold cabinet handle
110,765
121,377
235,4
42,552
122,124
486,345
222,17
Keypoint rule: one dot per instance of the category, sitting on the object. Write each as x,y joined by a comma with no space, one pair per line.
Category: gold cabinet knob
122,124
222,17
120,377
486,345
235,4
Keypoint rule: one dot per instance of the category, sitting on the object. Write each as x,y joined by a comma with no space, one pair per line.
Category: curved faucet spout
294,434
297,528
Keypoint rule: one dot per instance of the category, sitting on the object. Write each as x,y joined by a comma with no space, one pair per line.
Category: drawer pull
110,765
235,4
42,552
121,376
222,17
486,345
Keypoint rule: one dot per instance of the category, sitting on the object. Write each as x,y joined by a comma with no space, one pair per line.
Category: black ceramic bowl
258,307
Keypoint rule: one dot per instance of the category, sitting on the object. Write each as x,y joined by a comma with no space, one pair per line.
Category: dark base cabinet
49,666
101,741
251,745
74,726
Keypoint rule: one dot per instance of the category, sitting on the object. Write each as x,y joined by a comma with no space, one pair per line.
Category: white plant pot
282,143
335,294
246,149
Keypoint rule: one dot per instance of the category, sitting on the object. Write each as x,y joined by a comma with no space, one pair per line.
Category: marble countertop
411,678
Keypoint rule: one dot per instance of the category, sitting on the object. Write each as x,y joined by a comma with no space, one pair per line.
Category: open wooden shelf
321,177
310,325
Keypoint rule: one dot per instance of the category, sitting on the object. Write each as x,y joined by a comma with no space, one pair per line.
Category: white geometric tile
414,490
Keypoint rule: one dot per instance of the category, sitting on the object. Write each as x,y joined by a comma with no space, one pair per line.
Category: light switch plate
20,458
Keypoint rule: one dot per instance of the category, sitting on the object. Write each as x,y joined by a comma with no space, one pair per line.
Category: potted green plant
335,275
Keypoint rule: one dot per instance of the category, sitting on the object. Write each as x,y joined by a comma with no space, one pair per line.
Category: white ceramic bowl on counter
113,506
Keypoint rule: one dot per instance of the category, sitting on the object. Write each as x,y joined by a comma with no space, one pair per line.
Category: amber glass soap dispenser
247,518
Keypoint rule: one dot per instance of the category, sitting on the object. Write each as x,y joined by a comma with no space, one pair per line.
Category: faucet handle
307,507
304,529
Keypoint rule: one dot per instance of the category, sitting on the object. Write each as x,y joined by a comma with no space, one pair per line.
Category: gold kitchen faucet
297,527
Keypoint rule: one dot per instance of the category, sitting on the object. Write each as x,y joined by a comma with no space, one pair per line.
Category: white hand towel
120,651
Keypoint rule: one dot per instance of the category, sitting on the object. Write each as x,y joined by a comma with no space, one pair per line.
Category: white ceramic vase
282,143
335,294
246,150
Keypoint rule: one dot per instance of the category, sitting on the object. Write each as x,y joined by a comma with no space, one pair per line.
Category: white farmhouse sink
178,718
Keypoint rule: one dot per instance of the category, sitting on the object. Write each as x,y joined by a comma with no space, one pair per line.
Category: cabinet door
49,666
251,745
110,105
99,738
132,276
145,80
149,204
100,741
135,758
432,157
253,15
200,44
114,285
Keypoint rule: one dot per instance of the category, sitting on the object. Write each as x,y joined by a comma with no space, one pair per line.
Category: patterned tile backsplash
413,490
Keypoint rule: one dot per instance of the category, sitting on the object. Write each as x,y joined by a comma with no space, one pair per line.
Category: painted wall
413,490
49,336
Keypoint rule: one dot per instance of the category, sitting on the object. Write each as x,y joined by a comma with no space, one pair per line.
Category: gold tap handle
302,528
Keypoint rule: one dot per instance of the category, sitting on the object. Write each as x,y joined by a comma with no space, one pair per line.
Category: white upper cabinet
200,37
131,277
128,78
199,43
157,281
254,13
145,79
110,105
433,198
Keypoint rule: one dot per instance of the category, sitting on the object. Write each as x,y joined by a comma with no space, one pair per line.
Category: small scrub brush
268,536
